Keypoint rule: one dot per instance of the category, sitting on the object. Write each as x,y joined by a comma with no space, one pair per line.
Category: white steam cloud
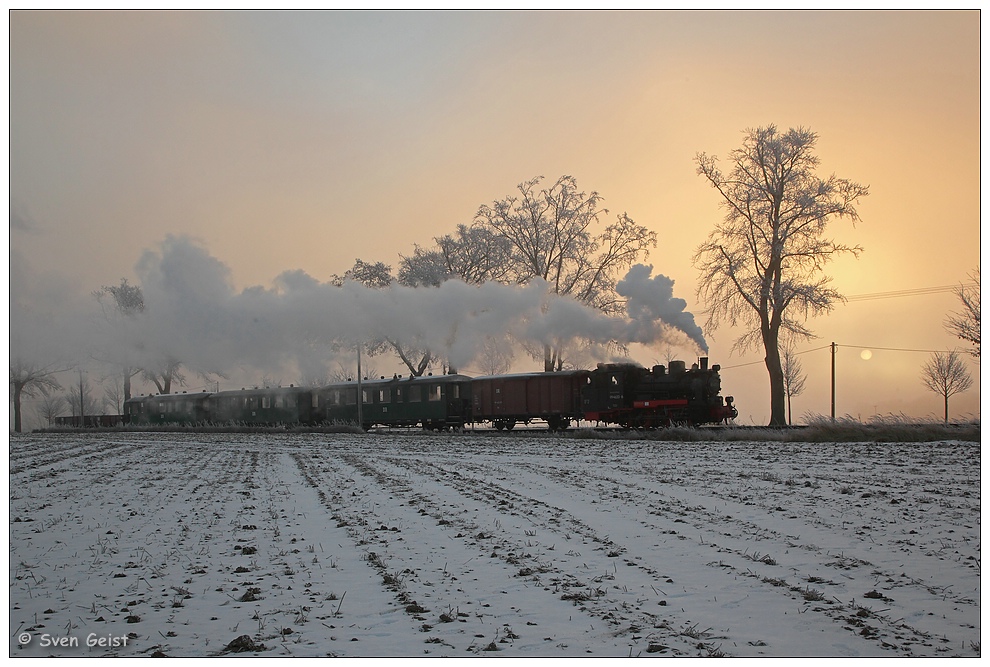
651,301
194,315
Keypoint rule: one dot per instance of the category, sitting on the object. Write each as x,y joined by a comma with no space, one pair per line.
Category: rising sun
866,354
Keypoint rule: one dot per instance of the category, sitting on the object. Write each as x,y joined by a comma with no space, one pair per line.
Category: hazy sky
301,141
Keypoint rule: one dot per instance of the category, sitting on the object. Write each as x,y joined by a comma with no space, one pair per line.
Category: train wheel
510,424
553,423
499,425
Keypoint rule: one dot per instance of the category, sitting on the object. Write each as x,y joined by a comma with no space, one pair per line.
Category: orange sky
303,141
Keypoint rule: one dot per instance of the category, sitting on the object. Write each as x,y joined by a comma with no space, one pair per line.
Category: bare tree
30,379
121,303
50,407
496,355
965,324
761,268
114,394
416,358
315,376
667,355
794,377
553,233
346,374
81,400
946,375
166,372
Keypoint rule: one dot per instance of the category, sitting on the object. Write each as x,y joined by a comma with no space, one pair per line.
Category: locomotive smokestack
704,363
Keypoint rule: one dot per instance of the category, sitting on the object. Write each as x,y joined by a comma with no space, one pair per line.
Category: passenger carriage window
278,401
383,396
455,390
415,394
266,402
350,396
398,394
365,396
434,392
316,400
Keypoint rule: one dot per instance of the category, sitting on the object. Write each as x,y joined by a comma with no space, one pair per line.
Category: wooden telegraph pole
833,381
360,398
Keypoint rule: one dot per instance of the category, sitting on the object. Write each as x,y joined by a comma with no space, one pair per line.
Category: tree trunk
17,407
946,408
778,416
82,402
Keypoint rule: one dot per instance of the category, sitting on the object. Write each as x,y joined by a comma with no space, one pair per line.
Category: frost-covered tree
31,379
556,233
965,323
378,276
761,268
946,375
496,355
475,255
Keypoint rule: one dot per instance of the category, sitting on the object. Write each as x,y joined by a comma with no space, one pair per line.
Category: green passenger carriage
435,402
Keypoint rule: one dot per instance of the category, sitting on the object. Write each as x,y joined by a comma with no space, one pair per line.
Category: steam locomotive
623,394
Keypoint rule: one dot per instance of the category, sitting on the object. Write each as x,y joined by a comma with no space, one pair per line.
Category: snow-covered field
413,545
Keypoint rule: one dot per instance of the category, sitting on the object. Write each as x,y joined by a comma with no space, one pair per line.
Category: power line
825,347
906,292
889,349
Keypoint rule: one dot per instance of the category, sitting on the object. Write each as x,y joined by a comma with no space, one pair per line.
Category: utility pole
833,381
82,401
360,398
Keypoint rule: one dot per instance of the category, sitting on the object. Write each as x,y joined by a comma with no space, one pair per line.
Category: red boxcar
505,400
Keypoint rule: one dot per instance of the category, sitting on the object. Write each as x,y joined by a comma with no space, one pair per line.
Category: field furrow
407,545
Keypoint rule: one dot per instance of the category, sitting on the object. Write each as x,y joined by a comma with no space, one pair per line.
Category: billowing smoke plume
651,301
194,315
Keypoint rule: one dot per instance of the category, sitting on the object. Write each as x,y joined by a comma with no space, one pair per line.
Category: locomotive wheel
499,425
510,424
